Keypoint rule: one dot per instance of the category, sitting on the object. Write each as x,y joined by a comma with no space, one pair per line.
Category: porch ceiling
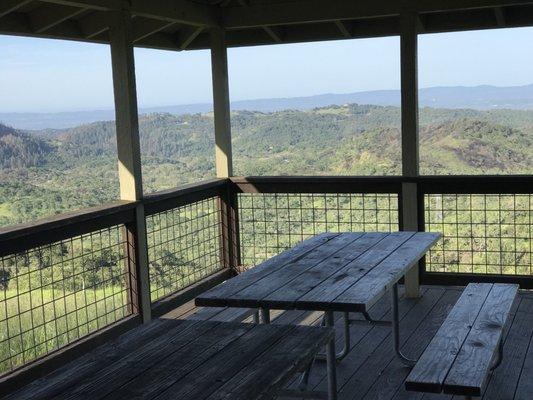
183,24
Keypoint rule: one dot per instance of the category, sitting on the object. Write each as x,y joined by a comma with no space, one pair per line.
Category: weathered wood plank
324,296
288,293
251,296
524,389
267,374
470,370
110,377
86,366
430,371
175,367
215,297
220,368
381,278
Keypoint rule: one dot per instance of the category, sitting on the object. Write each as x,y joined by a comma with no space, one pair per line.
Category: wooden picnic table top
328,272
186,360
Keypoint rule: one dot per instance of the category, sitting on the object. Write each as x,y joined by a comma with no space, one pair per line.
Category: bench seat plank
458,359
470,370
431,369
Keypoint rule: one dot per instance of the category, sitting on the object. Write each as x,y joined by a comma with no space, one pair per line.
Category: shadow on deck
371,371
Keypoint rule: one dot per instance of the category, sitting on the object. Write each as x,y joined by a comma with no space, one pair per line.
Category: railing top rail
21,237
190,193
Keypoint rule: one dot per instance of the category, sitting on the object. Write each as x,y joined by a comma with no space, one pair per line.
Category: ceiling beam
308,11
182,11
187,35
276,33
499,14
94,24
8,6
48,16
344,28
144,28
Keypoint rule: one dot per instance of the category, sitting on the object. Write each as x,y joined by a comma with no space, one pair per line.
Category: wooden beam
144,28
307,11
8,6
410,143
48,16
221,103
94,24
499,14
186,36
129,157
344,28
182,11
276,33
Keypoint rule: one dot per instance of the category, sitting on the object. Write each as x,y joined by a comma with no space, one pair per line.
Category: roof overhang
184,24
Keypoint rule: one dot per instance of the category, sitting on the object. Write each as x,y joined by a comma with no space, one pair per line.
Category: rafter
344,28
499,14
48,16
276,33
187,35
144,28
308,11
9,6
182,11
94,24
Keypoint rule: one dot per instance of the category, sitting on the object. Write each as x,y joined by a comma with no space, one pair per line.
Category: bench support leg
346,332
396,327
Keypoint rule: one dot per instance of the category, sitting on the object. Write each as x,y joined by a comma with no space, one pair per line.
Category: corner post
223,153
129,159
410,142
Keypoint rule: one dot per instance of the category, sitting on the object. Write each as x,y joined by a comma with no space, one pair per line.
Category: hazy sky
51,75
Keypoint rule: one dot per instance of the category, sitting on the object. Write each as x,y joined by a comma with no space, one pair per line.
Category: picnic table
330,272
190,360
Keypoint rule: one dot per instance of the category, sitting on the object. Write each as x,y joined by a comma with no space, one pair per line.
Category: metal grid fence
54,294
183,246
271,223
482,233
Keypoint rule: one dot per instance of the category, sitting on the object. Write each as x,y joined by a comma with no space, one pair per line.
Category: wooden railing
486,221
69,282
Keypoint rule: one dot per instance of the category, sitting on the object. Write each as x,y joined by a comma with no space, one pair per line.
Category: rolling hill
54,171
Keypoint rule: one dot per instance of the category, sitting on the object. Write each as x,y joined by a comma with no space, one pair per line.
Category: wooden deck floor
370,371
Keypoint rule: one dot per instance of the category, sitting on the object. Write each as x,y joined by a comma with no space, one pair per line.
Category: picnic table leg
396,327
331,359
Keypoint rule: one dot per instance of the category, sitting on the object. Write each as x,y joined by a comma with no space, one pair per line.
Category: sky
42,75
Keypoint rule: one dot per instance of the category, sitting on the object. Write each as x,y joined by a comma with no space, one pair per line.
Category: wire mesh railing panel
183,246
56,293
271,223
482,233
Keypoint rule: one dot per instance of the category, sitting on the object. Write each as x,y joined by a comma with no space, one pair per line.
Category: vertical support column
129,158
410,143
221,103
223,154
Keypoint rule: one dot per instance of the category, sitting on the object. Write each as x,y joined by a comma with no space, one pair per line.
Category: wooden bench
190,360
224,314
468,345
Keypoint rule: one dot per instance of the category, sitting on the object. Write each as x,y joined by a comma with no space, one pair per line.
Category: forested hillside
53,171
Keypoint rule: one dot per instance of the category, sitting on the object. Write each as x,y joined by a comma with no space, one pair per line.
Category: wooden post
223,155
129,158
221,103
410,154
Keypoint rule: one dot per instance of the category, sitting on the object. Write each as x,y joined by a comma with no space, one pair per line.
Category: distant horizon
53,76
107,109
